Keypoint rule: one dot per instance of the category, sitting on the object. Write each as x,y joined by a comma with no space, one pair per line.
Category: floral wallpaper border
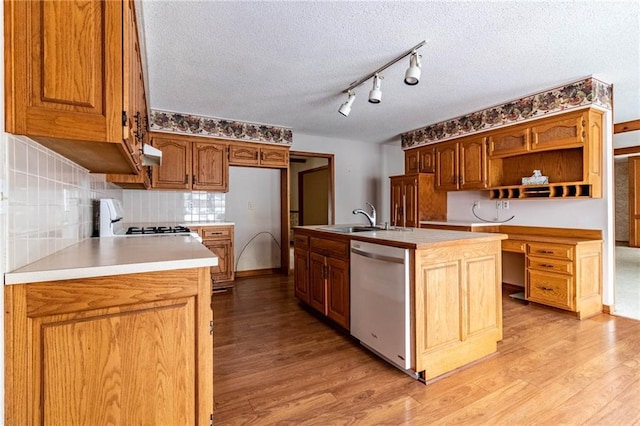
168,121
581,93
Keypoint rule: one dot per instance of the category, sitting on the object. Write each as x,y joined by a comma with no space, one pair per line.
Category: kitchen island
111,331
454,281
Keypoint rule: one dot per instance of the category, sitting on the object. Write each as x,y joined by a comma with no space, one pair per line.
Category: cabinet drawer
550,265
301,241
514,246
216,233
550,289
330,247
556,251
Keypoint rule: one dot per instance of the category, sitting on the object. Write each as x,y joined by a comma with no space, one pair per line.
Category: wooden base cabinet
565,276
457,305
414,199
219,239
323,284
125,349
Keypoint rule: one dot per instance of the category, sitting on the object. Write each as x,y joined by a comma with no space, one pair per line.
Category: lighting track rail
412,77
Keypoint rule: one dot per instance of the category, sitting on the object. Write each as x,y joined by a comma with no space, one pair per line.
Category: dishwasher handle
376,256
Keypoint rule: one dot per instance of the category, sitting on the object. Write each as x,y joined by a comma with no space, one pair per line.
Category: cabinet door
447,166
473,164
557,133
274,157
301,274
512,141
397,201
338,291
426,160
411,161
210,168
58,94
175,172
243,155
410,202
224,271
317,287
127,349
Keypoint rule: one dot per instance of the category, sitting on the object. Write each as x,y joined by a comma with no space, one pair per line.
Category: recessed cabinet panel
513,141
565,132
175,172
447,166
210,169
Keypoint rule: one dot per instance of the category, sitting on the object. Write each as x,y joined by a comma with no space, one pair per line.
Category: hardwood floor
277,363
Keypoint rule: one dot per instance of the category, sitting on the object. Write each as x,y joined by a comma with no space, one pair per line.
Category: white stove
109,222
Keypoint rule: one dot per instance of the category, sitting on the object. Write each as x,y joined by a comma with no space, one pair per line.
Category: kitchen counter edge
97,257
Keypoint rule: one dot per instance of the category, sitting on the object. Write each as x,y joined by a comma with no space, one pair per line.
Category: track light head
345,108
412,76
375,95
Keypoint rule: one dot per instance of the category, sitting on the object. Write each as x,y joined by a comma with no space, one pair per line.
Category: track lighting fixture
375,95
412,77
345,108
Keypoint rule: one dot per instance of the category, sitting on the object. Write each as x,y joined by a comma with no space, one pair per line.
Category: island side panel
457,304
140,339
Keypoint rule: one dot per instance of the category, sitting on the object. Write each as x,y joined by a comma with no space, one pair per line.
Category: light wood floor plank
276,362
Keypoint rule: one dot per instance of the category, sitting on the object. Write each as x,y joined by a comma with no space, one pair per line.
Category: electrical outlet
505,204
476,204
250,205
498,204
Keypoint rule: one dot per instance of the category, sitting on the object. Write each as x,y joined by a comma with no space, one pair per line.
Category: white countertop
187,224
410,237
456,223
96,257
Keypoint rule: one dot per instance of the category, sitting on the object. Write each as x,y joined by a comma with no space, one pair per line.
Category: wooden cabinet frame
145,339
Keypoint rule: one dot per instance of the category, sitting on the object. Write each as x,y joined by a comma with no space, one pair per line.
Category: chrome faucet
371,217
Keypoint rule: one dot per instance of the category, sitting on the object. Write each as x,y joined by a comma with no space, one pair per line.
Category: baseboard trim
258,272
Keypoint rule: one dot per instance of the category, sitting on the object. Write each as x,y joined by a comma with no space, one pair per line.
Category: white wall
253,204
358,173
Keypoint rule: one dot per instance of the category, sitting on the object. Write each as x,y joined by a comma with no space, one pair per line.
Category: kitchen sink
351,229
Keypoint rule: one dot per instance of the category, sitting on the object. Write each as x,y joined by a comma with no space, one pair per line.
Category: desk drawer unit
550,265
556,251
551,289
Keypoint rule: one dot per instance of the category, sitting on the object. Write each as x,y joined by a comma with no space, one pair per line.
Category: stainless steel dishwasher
380,314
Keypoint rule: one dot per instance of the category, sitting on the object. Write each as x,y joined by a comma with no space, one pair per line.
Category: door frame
285,204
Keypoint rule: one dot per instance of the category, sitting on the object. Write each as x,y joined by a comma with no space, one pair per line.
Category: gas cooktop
137,230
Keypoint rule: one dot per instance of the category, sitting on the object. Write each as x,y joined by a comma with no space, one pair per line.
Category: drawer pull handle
546,265
545,288
545,251
215,233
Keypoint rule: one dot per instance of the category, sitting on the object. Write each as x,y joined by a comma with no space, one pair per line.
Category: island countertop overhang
409,238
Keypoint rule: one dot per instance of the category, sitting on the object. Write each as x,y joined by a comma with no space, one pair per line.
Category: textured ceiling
287,63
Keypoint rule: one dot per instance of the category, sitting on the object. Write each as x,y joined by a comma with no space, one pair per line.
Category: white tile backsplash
142,206
50,201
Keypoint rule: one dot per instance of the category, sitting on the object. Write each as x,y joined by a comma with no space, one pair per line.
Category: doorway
627,232
311,190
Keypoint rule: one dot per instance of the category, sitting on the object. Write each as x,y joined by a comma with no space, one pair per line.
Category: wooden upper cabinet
65,78
566,131
447,166
512,141
461,165
254,154
191,163
175,172
420,160
473,163
210,167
